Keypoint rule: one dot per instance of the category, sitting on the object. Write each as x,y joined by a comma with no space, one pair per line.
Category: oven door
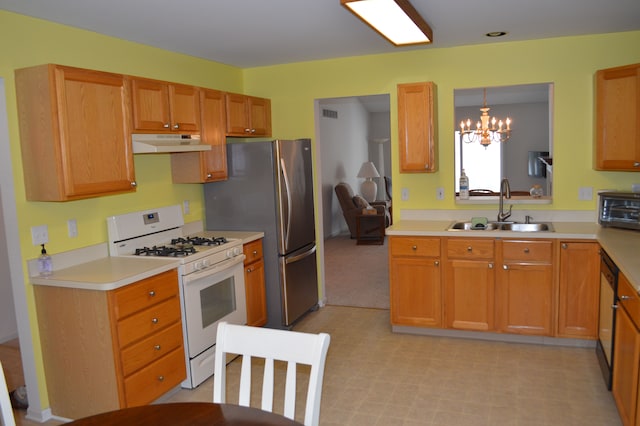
212,295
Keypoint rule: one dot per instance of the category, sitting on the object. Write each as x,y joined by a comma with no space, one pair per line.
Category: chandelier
488,129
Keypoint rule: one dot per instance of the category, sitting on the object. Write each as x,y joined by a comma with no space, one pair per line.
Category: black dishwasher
607,316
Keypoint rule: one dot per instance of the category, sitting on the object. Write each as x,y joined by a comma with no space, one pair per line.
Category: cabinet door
469,294
415,292
150,100
579,294
184,104
525,298
416,125
625,367
207,166
77,144
237,115
260,115
255,294
617,122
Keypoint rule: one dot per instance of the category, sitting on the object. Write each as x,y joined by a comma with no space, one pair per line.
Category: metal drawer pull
490,265
255,252
157,347
623,297
414,248
249,270
161,378
526,250
152,293
505,267
469,249
564,245
437,263
154,320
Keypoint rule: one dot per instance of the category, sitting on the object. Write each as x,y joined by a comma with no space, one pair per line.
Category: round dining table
187,414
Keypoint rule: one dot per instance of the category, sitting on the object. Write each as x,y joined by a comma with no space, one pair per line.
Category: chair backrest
6,412
281,345
387,186
345,196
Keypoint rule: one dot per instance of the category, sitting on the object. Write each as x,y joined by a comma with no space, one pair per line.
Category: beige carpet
356,275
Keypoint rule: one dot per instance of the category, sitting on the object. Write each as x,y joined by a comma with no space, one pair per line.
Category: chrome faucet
505,191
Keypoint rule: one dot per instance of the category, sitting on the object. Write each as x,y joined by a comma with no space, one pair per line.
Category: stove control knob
229,253
198,266
237,251
205,263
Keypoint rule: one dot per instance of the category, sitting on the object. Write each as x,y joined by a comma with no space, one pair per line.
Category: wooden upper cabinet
248,116
75,133
618,119
159,106
416,126
206,166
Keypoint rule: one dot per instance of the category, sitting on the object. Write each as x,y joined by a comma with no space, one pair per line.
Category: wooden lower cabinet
105,350
469,284
626,364
415,287
525,287
255,290
579,289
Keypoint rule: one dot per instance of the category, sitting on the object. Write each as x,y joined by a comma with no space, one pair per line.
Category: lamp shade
368,170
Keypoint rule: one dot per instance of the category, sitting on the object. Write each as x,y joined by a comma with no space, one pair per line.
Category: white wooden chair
290,346
6,412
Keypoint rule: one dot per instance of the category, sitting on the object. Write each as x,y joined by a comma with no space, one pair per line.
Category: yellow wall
569,63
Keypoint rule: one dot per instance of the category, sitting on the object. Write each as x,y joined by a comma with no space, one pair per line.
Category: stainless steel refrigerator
270,189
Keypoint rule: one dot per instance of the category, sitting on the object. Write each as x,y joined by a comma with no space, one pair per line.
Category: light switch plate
585,193
39,235
72,227
440,193
405,194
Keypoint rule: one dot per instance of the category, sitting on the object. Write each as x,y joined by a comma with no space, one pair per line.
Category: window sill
491,199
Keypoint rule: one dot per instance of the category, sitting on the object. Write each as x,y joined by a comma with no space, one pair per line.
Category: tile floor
375,377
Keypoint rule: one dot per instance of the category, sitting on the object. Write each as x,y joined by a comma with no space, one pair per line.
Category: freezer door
299,280
294,194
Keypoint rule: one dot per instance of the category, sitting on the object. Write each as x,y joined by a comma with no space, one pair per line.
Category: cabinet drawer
155,380
415,246
470,248
252,251
527,251
148,292
150,349
148,321
629,299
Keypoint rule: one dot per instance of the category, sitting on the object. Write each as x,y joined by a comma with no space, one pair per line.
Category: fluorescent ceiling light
396,20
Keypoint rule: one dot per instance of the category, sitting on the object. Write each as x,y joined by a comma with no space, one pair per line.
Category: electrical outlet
440,193
186,209
405,194
72,227
39,235
585,193
635,187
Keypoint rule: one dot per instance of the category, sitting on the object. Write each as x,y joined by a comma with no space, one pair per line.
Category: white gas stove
210,271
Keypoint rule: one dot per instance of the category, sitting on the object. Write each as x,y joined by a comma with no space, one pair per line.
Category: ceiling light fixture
486,130
395,20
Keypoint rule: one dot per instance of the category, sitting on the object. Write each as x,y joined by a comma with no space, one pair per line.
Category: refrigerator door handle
300,256
288,191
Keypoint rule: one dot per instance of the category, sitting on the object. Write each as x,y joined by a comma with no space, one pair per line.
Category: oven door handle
211,270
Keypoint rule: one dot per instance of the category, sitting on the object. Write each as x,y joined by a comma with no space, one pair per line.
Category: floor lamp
369,188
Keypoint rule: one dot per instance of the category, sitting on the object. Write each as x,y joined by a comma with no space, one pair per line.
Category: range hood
150,144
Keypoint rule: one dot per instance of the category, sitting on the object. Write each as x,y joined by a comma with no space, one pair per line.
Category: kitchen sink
502,226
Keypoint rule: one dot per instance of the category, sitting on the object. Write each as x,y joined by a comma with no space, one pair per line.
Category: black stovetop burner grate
200,241
166,251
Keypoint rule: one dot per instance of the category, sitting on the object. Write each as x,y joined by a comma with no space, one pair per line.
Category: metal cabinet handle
255,252
490,265
209,175
176,126
623,297
154,320
165,125
157,347
437,263
249,270
636,164
414,248
152,293
161,378
526,250
247,130
134,184
505,267
564,246
469,249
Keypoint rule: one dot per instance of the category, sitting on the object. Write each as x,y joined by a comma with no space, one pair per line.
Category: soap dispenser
45,265
464,186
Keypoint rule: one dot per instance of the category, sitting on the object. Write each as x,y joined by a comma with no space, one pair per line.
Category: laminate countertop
91,268
620,244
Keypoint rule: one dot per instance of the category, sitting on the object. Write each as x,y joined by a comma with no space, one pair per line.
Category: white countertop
92,268
621,245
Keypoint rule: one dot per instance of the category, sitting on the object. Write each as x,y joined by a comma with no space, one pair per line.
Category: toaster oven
619,209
